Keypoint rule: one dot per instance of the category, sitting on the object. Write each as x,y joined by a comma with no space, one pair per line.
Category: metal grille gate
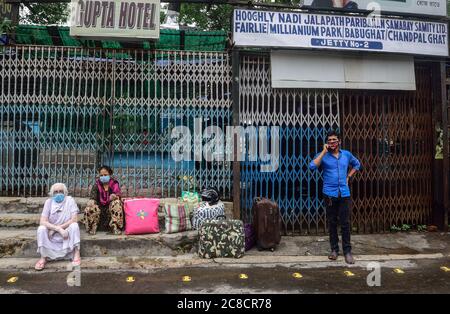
304,118
391,134
388,131
65,111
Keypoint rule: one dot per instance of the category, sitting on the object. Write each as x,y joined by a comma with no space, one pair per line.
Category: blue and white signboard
253,28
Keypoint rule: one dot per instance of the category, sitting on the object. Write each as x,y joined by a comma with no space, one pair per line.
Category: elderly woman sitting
58,235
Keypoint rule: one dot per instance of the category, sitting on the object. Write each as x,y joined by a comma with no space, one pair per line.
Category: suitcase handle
221,217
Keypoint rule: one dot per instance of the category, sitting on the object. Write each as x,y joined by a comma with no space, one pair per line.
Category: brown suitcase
267,223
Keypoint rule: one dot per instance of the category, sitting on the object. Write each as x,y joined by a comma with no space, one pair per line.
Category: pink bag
141,215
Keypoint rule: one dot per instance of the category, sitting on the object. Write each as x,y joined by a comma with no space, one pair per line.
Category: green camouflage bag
221,238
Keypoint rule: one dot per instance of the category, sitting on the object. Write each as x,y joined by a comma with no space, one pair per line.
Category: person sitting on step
58,235
104,210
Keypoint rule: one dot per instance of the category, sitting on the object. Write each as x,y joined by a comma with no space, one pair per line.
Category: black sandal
333,256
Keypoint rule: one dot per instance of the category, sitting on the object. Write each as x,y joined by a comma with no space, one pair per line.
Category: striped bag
177,217
205,211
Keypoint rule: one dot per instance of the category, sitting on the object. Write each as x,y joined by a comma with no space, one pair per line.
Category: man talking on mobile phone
335,165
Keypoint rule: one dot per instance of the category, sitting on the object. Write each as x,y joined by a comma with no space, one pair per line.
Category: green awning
169,39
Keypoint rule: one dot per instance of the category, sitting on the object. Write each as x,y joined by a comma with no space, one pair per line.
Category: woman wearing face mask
105,209
58,235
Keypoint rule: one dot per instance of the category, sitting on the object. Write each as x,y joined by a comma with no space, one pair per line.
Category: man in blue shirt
334,162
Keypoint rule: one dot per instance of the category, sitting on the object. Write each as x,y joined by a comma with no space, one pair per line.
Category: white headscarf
65,207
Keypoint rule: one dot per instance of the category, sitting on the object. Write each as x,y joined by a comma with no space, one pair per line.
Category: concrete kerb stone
256,260
22,243
153,263
110,263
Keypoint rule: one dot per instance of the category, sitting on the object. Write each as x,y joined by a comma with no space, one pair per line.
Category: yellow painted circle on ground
348,273
297,275
445,268
243,276
398,271
12,279
186,278
131,279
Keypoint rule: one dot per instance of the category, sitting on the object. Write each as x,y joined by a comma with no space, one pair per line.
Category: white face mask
105,179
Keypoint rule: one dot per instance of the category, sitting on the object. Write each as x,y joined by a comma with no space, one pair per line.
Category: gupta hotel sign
116,19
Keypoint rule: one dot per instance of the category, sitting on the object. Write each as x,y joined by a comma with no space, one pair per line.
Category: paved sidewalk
367,244
152,252
139,263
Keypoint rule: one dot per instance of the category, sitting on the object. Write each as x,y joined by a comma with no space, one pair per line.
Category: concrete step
22,243
34,205
21,221
29,205
24,213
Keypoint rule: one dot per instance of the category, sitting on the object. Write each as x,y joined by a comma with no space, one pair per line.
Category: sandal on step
76,262
39,265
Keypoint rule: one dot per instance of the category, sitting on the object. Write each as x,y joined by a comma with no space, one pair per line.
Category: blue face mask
105,179
59,198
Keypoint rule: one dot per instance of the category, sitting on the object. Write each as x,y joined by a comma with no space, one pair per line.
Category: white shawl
66,208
